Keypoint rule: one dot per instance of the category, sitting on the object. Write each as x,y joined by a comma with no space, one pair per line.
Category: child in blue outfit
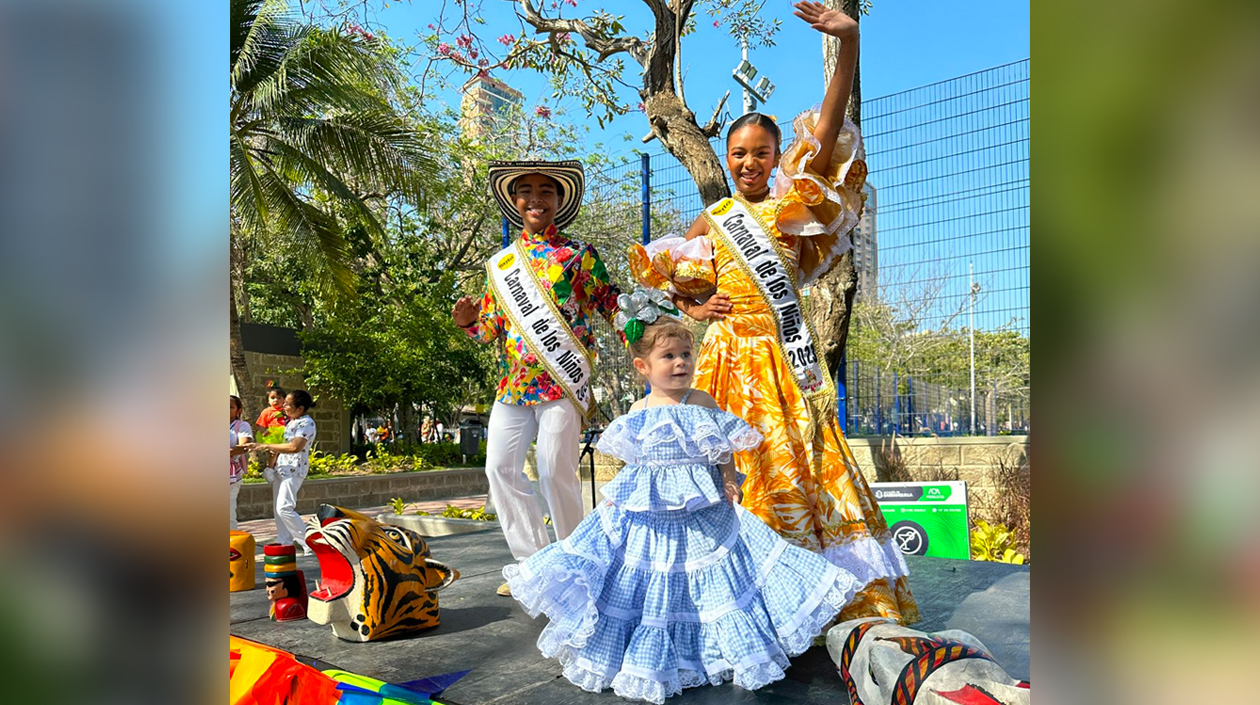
669,583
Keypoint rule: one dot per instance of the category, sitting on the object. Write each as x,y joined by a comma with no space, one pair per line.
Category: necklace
754,197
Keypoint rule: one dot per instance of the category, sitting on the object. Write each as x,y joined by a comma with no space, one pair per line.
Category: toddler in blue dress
669,583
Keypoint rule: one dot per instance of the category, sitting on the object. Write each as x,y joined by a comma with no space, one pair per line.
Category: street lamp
971,332
745,74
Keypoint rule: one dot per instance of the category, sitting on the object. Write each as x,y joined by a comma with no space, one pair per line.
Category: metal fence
944,241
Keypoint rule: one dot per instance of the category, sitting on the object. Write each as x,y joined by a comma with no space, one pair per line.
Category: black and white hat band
567,173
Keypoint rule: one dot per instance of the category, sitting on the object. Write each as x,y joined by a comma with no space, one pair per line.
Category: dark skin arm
831,118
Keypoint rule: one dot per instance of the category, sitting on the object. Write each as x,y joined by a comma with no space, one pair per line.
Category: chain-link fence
944,241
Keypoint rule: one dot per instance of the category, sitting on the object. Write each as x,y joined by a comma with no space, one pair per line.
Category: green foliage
994,542
453,512
444,455
312,129
902,339
397,505
326,464
382,461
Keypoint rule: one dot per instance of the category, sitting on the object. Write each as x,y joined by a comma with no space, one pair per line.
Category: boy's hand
465,312
826,20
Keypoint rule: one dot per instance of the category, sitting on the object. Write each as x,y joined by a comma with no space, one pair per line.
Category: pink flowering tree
587,51
591,56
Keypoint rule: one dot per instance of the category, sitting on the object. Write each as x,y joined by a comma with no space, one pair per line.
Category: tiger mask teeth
376,580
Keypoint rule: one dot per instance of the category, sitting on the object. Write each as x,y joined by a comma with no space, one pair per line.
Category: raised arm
839,25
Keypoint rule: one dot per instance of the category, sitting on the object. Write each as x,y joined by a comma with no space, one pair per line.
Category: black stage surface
494,638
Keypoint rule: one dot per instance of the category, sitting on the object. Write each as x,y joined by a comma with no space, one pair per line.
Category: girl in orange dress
803,480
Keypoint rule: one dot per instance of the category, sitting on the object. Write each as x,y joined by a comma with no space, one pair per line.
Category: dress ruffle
642,488
821,203
675,264
687,433
721,598
868,559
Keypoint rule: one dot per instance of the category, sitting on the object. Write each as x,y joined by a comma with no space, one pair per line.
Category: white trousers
284,491
234,489
558,427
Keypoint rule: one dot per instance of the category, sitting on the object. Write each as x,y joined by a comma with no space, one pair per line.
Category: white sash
758,255
534,315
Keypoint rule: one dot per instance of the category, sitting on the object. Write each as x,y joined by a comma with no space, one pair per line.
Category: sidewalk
264,530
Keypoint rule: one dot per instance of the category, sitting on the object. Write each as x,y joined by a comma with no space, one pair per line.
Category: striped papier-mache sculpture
286,585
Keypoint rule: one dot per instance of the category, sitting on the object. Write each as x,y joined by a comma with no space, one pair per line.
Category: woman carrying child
292,465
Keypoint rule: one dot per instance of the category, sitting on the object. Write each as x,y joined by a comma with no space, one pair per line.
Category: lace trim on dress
714,435
751,672
868,559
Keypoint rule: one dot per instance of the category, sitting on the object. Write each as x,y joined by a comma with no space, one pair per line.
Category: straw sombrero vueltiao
567,173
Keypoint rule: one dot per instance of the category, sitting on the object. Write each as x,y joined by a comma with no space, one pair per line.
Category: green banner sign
926,518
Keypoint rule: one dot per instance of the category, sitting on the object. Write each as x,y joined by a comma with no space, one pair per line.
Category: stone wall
360,491
606,466
332,421
971,458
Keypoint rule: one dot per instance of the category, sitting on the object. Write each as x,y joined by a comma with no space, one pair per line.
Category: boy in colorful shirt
540,198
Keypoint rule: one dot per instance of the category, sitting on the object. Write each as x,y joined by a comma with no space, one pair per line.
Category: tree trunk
236,353
831,297
675,126
672,122
407,426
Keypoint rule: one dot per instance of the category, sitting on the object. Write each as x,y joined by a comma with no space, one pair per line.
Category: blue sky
905,43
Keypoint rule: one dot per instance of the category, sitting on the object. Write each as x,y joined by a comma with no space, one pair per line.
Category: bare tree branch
606,46
714,126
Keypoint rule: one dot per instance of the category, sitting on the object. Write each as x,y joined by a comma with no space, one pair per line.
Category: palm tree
314,139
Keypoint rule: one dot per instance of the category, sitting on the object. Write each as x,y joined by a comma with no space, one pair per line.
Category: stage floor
494,638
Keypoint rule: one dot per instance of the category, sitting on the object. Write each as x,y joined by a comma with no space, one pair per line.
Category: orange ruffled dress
802,480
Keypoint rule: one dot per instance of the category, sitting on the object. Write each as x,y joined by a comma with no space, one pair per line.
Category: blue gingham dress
668,585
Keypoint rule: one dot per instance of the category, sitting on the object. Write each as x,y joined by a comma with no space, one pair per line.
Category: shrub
398,505
445,455
1010,504
326,464
994,542
454,512
383,460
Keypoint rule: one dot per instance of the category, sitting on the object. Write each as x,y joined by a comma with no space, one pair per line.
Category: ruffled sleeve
820,205
619,440
739,435
698,433
671,455
675,264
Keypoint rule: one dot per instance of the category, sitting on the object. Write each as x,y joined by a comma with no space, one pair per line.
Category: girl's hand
826,20
715,307
465,312
732,490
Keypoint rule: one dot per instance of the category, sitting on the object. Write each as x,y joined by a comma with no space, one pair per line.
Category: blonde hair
663,329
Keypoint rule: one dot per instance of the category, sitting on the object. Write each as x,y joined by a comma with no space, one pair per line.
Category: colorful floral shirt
578,282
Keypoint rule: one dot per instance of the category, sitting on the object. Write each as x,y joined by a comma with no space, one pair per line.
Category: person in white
292,466
239,433
540,199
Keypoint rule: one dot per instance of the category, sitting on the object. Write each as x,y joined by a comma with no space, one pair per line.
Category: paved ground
492,636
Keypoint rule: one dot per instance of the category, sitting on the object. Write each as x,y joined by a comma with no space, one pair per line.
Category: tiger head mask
376,581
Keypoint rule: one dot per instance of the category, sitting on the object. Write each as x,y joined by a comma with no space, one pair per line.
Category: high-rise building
866,248
485,99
